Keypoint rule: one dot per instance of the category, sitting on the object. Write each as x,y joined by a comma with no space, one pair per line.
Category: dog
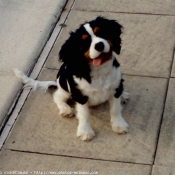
90,75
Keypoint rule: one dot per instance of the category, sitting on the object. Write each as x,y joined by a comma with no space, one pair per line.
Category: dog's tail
35,84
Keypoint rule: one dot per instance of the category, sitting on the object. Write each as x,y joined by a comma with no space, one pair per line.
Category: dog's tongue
97,61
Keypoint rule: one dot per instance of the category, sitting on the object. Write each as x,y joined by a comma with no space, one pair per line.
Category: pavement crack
76,157
161,122
130,13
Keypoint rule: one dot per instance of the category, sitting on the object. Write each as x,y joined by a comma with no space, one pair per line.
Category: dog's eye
85,36
96,29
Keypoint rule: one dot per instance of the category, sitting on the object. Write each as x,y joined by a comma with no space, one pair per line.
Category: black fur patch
72,54
65,79
62,75
116,63
119,90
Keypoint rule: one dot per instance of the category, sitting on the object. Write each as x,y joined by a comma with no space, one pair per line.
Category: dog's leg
84,131
60,97
118,123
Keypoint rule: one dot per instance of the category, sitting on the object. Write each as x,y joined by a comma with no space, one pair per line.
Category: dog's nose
99,46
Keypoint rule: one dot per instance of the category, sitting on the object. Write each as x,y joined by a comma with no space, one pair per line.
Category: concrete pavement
25,28
43,141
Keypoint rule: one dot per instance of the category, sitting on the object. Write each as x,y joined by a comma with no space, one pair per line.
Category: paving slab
161,170
134,6
165,152
25,28
148,43
33,163
40,129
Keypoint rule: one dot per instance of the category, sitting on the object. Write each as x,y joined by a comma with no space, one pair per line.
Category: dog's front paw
67,111
85,132
120,126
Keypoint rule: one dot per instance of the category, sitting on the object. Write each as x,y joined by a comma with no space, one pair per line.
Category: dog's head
92,43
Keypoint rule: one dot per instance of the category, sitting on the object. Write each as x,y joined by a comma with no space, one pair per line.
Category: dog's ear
72,55
113,30
68,49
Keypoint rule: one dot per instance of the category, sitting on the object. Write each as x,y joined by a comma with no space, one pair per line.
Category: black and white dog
90,75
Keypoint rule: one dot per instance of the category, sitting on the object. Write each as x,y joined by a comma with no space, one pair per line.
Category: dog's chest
102,86
100,89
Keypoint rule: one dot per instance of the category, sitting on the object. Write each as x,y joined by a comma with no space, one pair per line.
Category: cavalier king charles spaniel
89,75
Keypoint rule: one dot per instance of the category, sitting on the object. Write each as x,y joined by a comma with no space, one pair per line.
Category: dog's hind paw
120,129
67,111
120,126
124,97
